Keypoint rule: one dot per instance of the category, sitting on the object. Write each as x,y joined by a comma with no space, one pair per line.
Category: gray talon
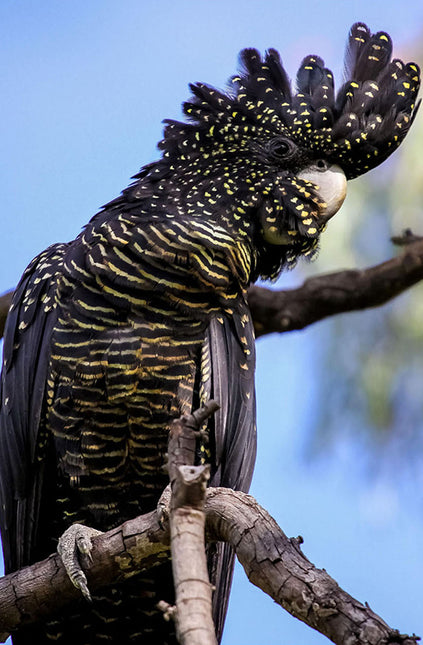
76,542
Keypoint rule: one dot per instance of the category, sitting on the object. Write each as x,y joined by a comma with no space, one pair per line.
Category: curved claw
76,541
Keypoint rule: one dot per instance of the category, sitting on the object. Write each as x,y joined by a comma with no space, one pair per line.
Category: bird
144,316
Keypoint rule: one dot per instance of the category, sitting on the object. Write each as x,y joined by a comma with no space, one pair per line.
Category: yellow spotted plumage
144,316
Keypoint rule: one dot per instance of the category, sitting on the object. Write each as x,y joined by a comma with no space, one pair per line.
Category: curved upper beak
331,186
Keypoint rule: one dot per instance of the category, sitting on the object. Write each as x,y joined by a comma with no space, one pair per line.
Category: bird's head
272,162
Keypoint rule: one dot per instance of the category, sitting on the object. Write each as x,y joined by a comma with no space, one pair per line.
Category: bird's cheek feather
272,235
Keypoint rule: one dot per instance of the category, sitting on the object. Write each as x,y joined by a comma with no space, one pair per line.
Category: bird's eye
321,165
280,148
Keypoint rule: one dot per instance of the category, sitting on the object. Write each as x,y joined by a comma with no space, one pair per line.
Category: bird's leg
75,544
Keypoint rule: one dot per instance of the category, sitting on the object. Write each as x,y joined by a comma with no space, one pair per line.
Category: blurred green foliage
369,366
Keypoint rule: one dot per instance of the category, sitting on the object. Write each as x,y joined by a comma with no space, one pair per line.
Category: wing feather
230,344
25,363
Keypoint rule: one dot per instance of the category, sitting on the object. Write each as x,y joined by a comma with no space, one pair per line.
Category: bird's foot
75,544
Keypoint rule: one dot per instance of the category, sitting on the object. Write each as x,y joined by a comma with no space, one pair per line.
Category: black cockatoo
144,316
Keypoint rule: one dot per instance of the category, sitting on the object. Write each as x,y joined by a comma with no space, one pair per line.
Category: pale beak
331,186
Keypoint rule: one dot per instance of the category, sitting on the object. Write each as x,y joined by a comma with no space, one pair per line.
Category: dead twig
193,592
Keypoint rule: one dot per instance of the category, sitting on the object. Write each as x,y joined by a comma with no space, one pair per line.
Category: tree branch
193,593
193,607
36,592
275,564
271,560
326,295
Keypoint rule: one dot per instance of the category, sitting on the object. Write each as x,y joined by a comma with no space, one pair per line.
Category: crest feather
357,128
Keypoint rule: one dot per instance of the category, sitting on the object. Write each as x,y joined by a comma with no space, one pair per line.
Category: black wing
230,343
26,355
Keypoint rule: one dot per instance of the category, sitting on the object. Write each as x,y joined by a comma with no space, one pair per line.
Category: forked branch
272,561
193,593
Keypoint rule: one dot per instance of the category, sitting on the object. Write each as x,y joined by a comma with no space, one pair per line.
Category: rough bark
276,564
36,592
271,560
193,593
324,295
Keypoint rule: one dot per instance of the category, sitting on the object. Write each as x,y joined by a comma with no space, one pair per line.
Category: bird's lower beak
331,186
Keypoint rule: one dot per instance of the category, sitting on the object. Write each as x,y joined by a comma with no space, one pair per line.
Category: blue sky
85,86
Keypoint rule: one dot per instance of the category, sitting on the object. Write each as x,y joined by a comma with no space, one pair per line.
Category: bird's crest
359,127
